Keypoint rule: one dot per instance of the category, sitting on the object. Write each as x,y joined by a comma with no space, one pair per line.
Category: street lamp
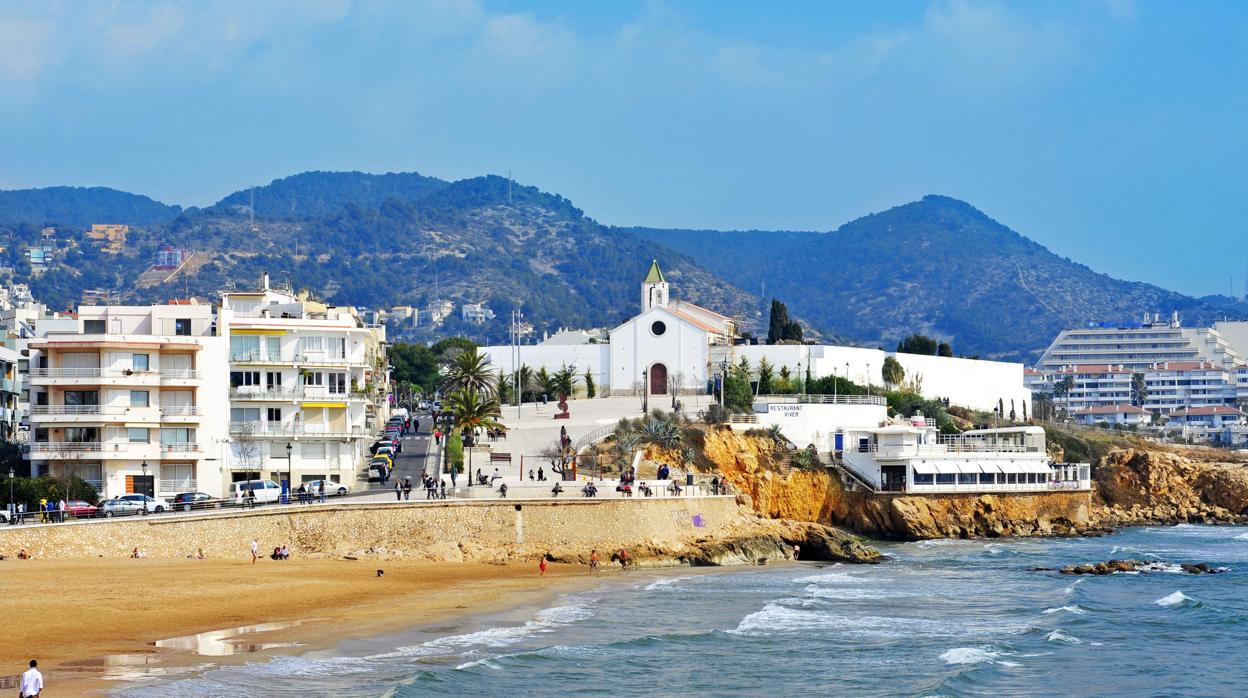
645,390
289,477
12,505
145,494
801,385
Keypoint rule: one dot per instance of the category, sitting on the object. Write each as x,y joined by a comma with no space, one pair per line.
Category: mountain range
937,266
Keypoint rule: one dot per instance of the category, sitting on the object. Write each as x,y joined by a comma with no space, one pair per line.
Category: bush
716,414
738,398
455,451
29,490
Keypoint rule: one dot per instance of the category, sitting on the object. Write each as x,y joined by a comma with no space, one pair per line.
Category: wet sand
72,615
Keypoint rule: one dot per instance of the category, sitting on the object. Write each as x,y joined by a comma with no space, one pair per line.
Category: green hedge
29,490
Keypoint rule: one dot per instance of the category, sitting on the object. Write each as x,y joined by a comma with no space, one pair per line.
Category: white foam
831,578
1068,609
1176,598
666,582
1071,589
1059,636
1011,665
969,655
1242,536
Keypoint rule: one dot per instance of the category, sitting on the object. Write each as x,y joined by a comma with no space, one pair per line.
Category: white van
266,490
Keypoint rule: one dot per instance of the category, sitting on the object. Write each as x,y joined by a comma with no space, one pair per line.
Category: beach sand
69,614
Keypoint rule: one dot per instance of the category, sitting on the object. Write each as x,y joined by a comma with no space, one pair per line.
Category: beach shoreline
108,635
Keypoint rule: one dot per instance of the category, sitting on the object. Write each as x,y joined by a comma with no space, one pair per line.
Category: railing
181,447
66,447
917,450
75,409
593,437
179,373
177,486
168,373
181,411
263,429
823,399
303,393
743,419
312,359
65,372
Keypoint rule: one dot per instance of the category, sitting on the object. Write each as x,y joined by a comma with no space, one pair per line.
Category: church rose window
658,328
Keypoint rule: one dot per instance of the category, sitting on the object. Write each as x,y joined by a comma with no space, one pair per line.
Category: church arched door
658,379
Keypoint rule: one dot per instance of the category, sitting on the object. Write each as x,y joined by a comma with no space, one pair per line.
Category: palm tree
470,371
564,381
471,411
526,381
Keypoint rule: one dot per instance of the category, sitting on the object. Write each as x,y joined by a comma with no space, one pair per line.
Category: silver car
119,507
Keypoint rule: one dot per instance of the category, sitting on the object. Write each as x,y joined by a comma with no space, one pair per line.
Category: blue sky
1115,132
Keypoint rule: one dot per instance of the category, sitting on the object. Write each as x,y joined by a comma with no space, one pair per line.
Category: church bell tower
653,288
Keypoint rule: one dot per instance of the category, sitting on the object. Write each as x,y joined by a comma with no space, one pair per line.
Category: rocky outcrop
1137,566
1137,486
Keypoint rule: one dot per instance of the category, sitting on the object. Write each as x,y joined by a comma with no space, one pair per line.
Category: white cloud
27,49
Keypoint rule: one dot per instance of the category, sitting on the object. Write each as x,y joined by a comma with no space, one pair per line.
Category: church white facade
676,346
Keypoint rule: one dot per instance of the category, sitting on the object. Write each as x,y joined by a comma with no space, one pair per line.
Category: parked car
186,501
81,510
379,456
331,487
388,451
154,506
265,490
377,470
119,507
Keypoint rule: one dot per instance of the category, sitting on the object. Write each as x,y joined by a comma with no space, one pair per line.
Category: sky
1113,132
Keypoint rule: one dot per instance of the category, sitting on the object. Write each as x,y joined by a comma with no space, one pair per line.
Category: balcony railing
75,409
45,447
263,429
179,373
182,447
168,373
181,411
309,359
823,399
298,393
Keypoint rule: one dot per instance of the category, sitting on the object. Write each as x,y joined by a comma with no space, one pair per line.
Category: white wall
968,382
682,348
553,357
806,424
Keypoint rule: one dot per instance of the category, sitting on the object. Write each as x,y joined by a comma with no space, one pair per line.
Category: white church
673,346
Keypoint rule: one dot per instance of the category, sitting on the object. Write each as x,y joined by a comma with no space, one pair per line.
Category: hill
79,207
476,240
316,194
938,266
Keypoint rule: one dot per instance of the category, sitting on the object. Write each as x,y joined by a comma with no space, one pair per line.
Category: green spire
655,275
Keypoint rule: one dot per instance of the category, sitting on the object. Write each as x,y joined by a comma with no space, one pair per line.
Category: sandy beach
70,614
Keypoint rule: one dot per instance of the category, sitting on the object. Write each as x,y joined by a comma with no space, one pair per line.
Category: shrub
455,451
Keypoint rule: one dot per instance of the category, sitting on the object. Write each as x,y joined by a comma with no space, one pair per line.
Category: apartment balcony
278,394
311,360
109,376
95,450
266,430
92,414
181,413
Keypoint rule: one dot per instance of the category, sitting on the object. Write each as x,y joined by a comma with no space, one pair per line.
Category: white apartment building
1138,345
1119,415
1171,385
307,386
130,399
476,313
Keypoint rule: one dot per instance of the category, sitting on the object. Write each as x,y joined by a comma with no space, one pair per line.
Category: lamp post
833,384
145,495
801,385
645,390
289,478
868,380
12,505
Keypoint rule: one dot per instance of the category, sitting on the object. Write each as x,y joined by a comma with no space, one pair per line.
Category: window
273,379
314,378
658,327
338,383
139,362
93,327
967,478
272,349
80,435
182,327
139,436
244,378
175,436
82,397
275,414
312,345
923,478
337,347
312,451
139,398
239,415
946,478
245,347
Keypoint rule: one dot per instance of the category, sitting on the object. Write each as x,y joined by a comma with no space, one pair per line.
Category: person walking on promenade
437,437
398,490
443,483
407,488
255,550
32,682
593,562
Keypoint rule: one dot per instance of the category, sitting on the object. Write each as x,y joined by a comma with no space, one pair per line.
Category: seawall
696,530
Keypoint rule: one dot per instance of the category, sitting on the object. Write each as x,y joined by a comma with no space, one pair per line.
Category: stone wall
441,531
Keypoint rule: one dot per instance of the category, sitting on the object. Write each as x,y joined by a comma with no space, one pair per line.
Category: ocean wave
1242,536
1071,589
850,593
545,621
666,582
831,578
1174,599
1060,636
1068,609
969,655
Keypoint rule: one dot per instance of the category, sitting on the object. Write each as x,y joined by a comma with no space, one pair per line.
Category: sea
940,618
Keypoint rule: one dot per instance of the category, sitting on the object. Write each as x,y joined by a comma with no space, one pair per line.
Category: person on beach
32,682
623,557
797,551
255,550
593,562
541,566
199,554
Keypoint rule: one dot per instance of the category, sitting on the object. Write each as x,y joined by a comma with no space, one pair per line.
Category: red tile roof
1206,411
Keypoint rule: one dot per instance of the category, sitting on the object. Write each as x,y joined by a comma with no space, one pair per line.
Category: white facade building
305,375
1119,415
1138,345
124,392
675,346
